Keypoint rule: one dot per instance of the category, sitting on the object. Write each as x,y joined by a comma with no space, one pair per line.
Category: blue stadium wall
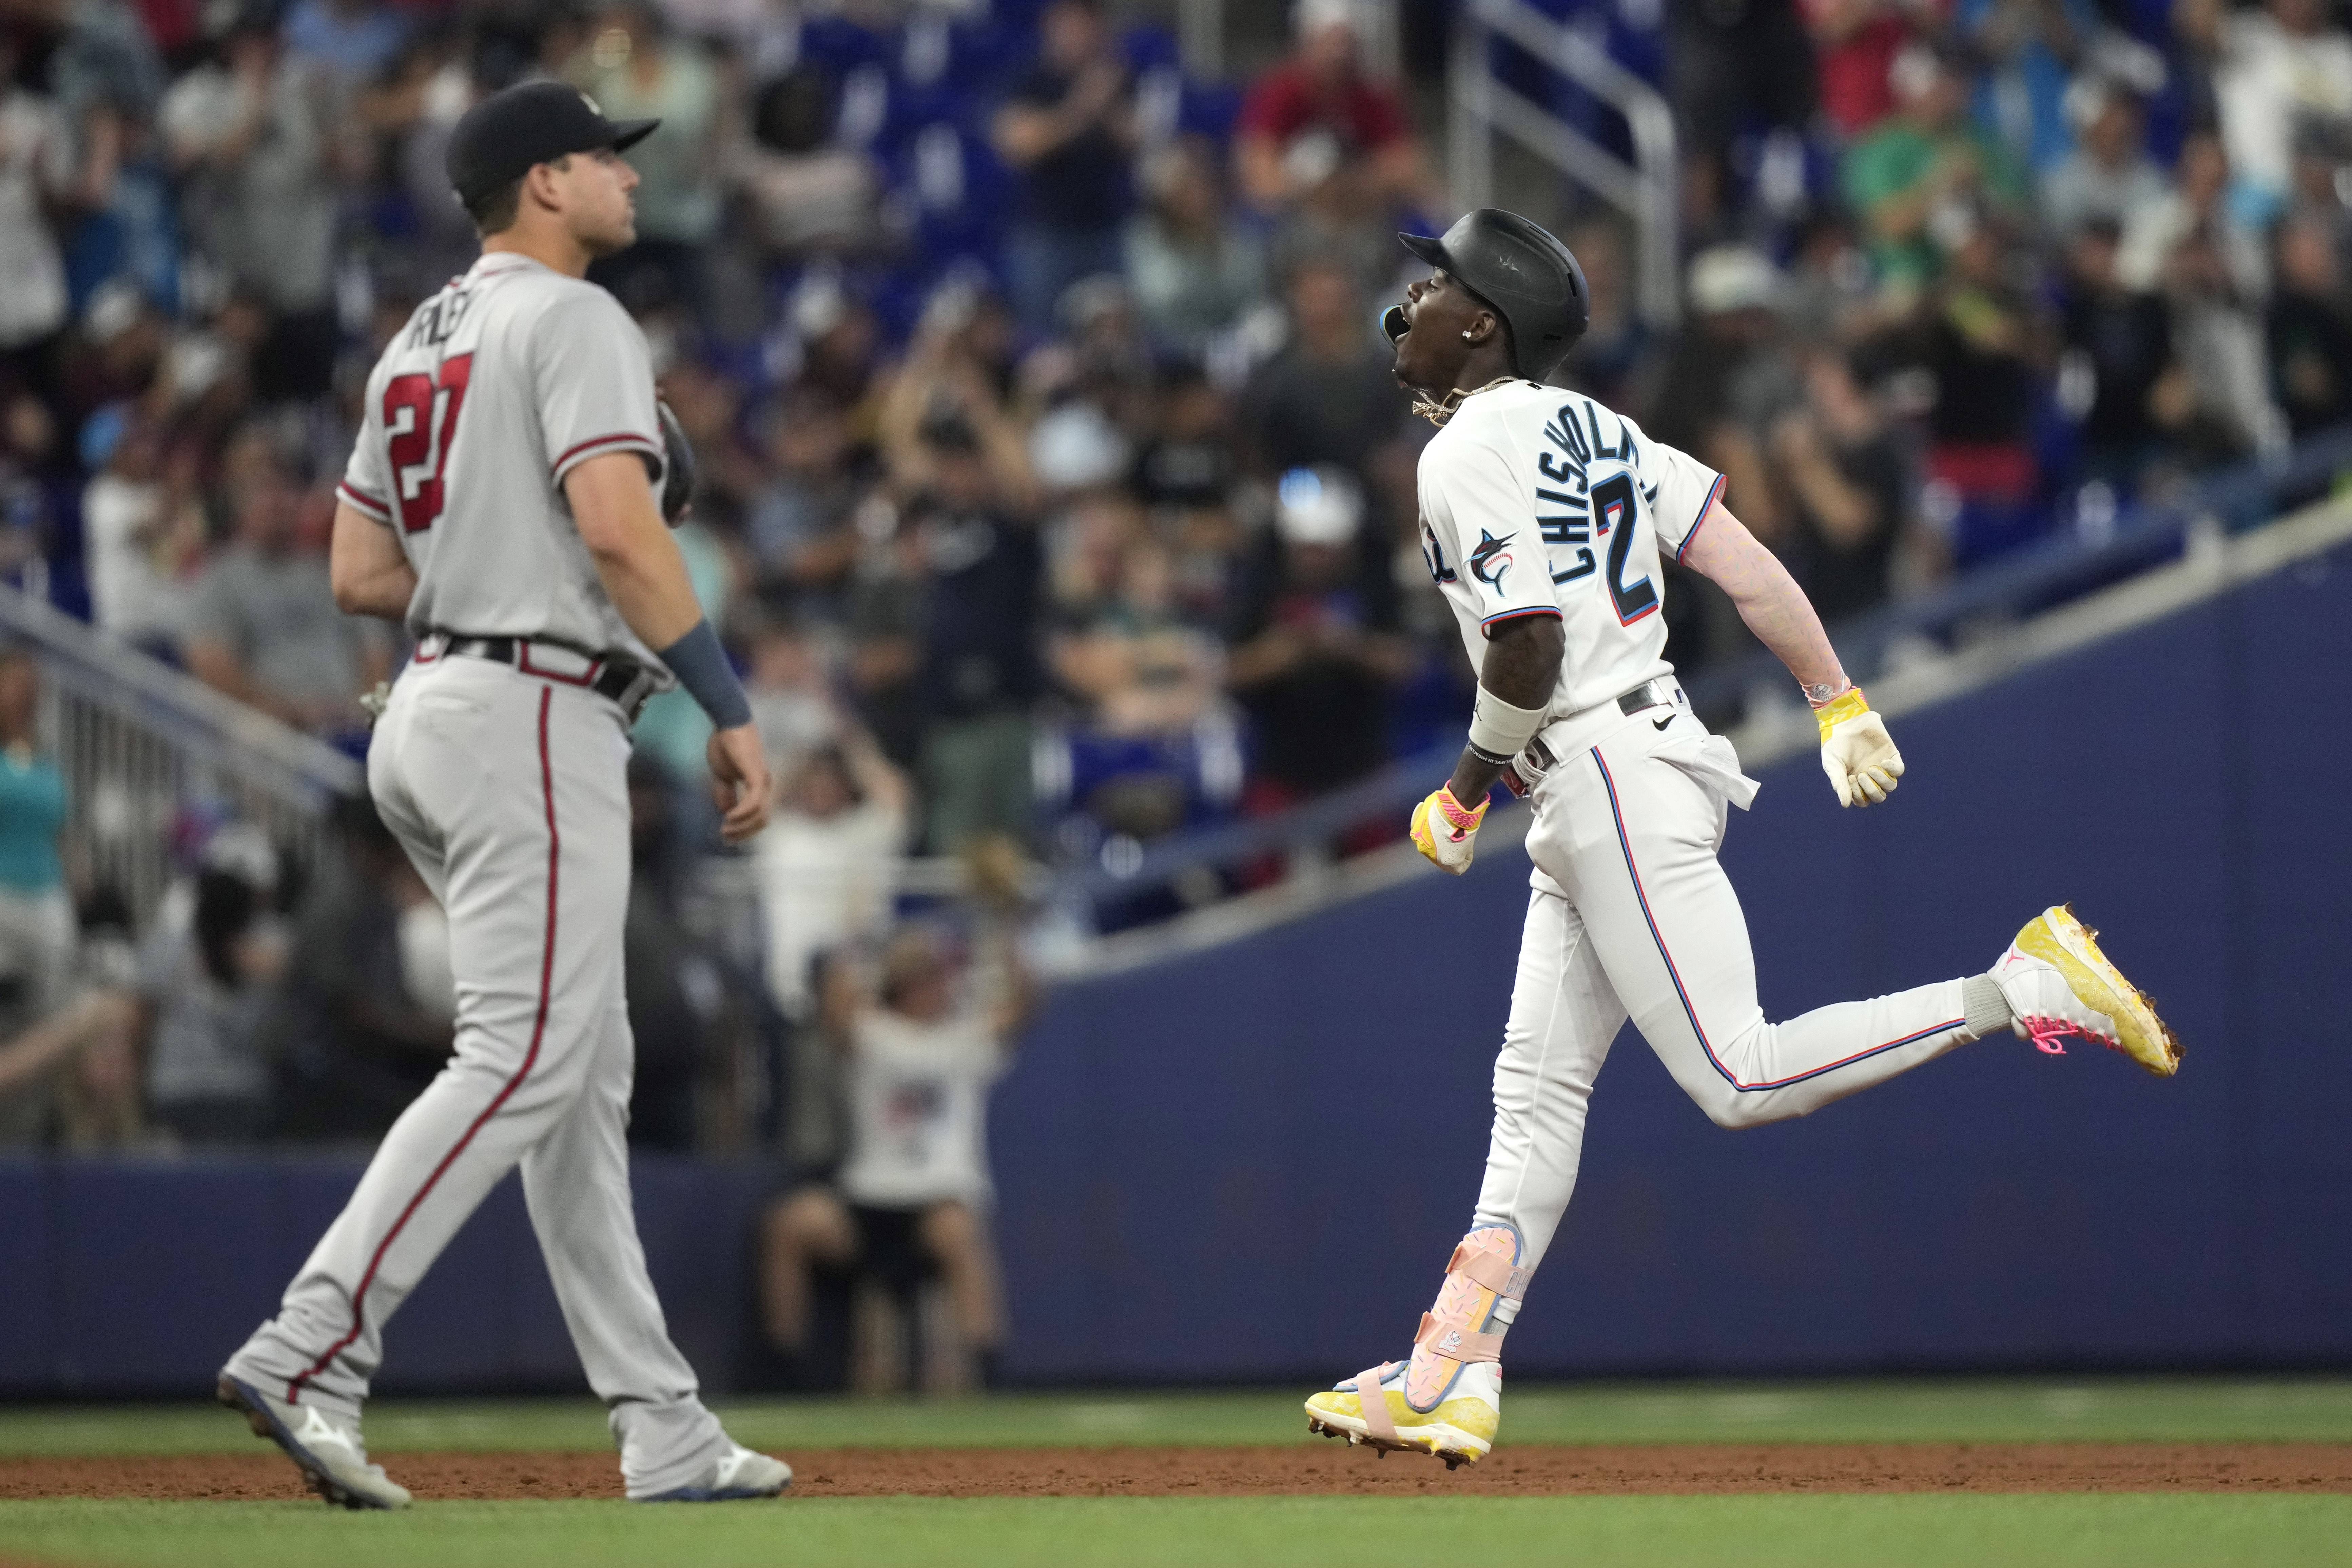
1249,1164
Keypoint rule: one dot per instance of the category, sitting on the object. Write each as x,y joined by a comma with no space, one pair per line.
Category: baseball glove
678,474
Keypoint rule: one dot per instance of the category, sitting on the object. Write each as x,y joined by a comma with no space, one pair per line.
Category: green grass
2127,1531
2104,1410
2122,1531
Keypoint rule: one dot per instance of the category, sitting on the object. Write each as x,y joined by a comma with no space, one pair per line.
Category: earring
1465,337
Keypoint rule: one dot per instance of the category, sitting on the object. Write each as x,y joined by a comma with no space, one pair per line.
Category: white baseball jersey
495,389
1536,499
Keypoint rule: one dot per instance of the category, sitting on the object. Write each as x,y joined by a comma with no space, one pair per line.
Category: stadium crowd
1055,494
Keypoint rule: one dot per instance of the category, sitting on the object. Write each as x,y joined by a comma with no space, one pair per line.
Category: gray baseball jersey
512,358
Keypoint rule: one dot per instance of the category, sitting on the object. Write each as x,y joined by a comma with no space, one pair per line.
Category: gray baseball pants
510,794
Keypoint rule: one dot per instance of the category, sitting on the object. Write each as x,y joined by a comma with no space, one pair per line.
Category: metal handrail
140,742
223,734
1643,189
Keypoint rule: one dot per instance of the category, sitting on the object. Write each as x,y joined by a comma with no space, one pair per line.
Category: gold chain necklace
1444,408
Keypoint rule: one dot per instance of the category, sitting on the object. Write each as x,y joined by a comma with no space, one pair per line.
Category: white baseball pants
510,794
1632,916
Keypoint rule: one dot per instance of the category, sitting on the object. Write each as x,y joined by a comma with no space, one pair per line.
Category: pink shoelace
2048,1034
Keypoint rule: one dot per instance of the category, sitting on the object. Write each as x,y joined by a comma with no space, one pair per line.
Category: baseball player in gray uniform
1544,517
500,499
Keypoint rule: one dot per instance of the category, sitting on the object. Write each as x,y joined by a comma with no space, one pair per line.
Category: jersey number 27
420,419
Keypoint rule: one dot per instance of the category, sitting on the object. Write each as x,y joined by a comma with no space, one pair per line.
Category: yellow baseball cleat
2057,982
1459,1428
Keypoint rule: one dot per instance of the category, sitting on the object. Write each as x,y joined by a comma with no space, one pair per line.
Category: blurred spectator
1329,395
1315,650
791,697
1139,669
73,1077
2108,177
36,175
1068,127
357,40
913,1196
1730,377
1194,271
2282,64
1854,45
364,1017
1617,344
205,978
1733,68
729,470
2020,52
2211,272
88,1040
1317,113
37,916
263,627
801,526
1341,221
2119,346
1985,345
1927,163
635,69
826,865
2310,335
689,1023
264,149
141,536
672,727
980,673
809,195
1850,486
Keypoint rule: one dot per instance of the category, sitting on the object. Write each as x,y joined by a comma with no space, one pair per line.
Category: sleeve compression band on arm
1500,731
701,667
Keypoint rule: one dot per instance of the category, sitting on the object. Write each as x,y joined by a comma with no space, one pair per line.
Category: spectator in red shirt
1317,111
1854,45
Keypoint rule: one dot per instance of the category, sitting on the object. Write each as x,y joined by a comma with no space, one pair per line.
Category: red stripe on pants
538,1031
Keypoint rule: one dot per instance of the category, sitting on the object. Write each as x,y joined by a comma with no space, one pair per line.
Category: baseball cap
532,123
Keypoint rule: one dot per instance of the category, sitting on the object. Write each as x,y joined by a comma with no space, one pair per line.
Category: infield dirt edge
1288,1469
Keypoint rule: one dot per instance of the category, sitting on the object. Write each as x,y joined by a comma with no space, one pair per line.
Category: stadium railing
1482,103
142,743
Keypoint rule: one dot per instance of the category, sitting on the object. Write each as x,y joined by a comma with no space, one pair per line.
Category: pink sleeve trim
1713,490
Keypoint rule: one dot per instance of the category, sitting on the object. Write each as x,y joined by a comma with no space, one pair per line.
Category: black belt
615,676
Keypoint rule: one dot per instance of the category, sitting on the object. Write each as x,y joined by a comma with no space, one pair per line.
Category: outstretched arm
1856,751
1768,600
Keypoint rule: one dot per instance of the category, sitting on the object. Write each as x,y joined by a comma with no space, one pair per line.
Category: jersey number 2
420,418
1612,508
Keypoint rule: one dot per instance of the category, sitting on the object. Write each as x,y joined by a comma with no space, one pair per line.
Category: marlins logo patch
1490,560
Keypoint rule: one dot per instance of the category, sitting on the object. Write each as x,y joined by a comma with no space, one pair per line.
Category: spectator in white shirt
911,1200
2280,65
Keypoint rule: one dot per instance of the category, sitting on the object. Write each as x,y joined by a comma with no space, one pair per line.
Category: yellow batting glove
1857,753
1444,829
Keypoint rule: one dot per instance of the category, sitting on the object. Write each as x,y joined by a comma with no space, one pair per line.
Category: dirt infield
1298,1469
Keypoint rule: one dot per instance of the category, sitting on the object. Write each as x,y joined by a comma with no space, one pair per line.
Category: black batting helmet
1523,274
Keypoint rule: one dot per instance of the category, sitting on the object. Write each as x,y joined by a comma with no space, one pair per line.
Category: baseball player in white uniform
1544,520
500,499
